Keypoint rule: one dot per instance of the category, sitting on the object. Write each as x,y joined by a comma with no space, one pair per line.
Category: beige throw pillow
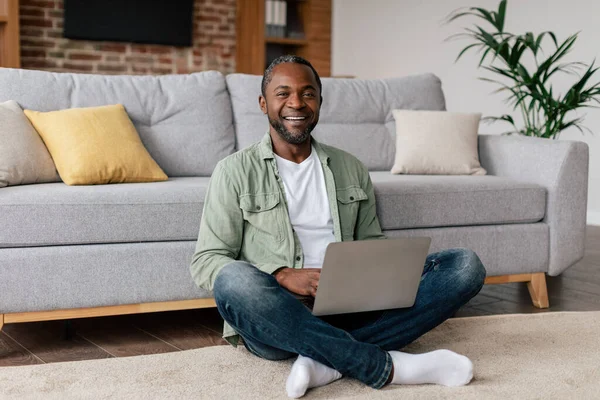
436,143
23,156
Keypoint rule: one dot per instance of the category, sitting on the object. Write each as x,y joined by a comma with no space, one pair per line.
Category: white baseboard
593,217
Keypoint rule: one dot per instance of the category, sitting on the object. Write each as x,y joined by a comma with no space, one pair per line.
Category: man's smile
296,120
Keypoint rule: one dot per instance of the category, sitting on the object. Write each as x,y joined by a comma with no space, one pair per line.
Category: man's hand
300,281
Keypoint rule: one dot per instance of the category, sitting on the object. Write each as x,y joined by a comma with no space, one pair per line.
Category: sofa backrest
356,114
185,121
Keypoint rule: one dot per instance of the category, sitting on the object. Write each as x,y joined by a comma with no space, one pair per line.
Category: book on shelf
294,26
269,20
275,18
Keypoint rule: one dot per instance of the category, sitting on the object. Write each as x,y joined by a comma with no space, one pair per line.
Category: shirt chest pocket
348,204
262,213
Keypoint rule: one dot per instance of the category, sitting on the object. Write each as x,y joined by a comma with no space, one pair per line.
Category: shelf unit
10,48
254,50
286,41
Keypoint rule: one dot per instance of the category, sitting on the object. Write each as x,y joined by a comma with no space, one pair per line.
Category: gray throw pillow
23,156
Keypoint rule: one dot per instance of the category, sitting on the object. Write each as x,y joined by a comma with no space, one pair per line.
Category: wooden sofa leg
538,290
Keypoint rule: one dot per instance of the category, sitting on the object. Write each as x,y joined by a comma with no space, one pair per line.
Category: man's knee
239,280
469,269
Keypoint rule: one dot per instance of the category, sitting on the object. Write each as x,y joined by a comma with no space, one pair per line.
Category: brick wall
43,47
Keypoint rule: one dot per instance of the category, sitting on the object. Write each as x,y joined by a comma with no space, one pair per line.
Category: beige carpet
539,356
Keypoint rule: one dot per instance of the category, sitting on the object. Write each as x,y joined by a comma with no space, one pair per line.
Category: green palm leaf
510,57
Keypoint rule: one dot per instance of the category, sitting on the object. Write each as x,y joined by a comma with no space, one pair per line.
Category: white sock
307,373
443,367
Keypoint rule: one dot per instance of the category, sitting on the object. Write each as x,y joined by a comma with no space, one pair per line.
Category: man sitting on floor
269,214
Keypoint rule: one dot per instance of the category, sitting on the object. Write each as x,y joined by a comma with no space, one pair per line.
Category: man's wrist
279,273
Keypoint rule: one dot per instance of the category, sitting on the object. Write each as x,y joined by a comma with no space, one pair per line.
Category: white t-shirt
308,206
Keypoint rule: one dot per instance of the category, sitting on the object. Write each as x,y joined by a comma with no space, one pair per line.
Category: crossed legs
276,326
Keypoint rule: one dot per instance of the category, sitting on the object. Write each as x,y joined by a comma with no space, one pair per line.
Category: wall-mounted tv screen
167,22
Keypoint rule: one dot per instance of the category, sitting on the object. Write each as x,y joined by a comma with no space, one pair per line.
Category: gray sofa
103,247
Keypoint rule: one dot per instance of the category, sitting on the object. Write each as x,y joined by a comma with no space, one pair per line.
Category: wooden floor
578,289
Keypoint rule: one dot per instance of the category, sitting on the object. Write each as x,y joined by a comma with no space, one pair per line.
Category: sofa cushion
421,201
185,121
57,214
356,114
436,143
95,145
23,156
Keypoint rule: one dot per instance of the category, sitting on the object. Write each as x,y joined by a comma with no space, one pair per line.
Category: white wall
388,38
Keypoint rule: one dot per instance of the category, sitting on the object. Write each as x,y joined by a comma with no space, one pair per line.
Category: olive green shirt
245,214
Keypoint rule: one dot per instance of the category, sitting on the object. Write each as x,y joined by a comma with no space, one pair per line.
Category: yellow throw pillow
95,145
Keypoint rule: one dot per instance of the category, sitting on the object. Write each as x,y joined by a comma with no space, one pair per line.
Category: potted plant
545,113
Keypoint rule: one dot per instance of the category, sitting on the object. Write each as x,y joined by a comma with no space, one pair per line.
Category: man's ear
262,102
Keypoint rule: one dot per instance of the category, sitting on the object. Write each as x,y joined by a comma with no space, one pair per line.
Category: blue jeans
276,326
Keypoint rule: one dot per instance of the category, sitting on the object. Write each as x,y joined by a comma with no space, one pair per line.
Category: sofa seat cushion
57,214
421,201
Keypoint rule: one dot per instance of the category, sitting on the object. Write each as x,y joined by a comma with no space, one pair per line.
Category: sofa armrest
562,168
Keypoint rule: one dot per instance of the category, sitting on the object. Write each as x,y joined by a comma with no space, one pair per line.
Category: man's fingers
312,286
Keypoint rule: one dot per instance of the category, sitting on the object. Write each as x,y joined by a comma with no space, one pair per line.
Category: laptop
370,275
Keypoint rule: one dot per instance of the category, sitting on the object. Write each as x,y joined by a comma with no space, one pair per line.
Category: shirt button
351,198
298,258
258,207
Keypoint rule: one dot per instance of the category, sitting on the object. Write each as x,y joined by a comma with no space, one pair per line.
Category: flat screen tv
167,22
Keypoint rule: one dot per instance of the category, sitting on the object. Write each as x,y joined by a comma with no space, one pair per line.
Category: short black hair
268,75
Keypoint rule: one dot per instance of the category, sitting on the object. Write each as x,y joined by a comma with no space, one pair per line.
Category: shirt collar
266,149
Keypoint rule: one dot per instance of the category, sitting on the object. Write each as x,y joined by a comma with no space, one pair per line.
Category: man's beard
289,136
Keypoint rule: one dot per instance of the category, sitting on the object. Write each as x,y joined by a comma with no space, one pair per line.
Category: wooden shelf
10,50
287,41
254,49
